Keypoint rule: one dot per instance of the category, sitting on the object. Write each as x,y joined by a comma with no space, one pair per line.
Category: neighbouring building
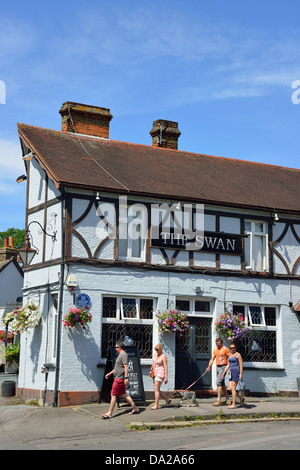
102,201
11,274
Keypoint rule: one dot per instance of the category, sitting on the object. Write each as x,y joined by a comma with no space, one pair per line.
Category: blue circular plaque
83,301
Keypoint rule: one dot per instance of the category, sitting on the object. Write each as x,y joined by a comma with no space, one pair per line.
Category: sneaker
217,403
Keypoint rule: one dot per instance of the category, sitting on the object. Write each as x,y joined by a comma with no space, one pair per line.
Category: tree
18,234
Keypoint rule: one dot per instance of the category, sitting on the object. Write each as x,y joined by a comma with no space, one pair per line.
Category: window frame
120,319
251,235
248,319
128,223
255,327
192,311
120,310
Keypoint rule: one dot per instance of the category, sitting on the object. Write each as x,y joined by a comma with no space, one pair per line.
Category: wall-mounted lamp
275,217
178,207
21,178
27,253
97,196
28,156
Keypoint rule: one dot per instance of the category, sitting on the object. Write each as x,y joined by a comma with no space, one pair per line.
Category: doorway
192,355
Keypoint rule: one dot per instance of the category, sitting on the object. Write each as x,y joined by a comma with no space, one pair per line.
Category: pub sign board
208,242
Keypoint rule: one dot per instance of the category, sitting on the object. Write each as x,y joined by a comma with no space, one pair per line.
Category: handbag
241,387
151,373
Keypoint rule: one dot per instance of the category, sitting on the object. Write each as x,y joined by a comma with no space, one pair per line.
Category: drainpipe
60,300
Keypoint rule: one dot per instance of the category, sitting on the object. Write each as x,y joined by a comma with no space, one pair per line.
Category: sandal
105,417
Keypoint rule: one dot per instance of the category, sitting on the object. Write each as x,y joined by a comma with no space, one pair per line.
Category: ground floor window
260,345
129,319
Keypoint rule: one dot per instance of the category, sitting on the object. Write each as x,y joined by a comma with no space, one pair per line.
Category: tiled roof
80,161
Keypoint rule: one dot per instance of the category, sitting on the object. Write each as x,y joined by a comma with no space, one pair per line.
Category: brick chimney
165,134
8,251
89,120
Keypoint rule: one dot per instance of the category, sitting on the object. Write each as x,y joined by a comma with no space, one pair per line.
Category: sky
225,71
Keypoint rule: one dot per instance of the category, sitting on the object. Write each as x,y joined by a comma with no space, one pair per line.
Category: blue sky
223,70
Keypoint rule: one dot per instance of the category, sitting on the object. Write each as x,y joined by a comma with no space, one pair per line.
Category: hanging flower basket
172,321
23,319
77,316
231,325
10,336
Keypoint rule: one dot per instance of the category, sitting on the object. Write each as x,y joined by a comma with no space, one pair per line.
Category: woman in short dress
235,363
160,370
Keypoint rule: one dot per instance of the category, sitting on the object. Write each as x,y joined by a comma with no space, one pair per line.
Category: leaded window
129,319
261,343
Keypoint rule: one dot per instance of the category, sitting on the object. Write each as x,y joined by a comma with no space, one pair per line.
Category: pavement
173,415
176,415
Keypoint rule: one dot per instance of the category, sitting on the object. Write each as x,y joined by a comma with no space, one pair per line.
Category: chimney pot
165,134
85,119
11,242
5,242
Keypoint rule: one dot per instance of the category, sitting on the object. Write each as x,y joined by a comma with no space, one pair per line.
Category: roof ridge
102,139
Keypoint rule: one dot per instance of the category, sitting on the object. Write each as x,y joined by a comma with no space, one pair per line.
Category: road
248,436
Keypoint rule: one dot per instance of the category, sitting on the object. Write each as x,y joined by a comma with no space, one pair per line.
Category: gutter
60,301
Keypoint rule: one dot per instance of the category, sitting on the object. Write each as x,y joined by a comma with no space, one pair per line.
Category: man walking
120,373
220,353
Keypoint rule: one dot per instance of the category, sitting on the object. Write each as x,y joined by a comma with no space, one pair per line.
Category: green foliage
12,353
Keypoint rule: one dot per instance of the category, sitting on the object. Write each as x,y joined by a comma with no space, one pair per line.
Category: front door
193,352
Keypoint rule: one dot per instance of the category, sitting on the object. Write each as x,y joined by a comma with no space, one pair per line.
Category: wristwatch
125,378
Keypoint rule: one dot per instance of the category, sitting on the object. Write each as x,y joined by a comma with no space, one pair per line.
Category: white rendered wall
81,350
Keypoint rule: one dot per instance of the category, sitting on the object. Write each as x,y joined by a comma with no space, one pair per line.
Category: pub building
127,229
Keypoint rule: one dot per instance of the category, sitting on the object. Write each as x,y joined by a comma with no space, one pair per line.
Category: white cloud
11,165
184,59
148,56
10,157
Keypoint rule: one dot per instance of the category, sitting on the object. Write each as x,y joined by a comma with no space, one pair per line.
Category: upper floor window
132,232
256,245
